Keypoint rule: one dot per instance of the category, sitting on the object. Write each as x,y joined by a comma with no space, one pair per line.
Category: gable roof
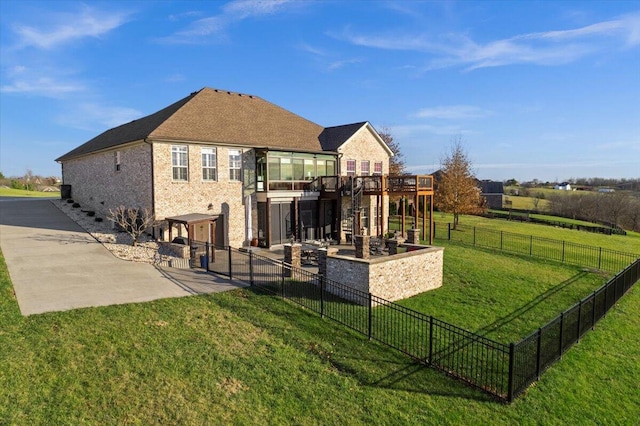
214,116
334,137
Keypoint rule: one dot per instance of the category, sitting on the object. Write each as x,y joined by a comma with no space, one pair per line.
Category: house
564,186
493,193
235,169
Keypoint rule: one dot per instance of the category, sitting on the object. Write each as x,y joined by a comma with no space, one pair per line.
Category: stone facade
364,146
391,277
220,197
97,183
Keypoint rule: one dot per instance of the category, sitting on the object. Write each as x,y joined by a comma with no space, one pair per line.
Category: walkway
55,265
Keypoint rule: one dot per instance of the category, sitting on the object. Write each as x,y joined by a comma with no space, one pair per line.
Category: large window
179,162
235,164
208,164
351,167
377,168
365,168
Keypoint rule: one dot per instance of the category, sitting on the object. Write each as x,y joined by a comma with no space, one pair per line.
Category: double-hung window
235,164
365,168
208,164
180,163
351,167
377,168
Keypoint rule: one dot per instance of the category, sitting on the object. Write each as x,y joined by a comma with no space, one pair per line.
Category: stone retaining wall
390,277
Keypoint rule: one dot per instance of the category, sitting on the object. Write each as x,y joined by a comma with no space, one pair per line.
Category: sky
546,90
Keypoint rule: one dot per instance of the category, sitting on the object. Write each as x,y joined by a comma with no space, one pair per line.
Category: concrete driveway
55,265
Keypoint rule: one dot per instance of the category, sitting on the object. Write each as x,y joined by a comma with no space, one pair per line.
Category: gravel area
118,243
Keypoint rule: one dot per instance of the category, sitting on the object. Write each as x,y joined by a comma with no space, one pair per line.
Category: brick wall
97,185
363,145
226,197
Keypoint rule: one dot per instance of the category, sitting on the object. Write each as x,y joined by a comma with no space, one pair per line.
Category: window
117,160
208,164
365,168
235,164
351,167
377,168
179,162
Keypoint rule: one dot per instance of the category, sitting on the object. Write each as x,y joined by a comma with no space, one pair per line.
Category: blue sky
547,90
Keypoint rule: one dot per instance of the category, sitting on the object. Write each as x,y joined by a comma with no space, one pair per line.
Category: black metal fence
503,370
535,353
544,248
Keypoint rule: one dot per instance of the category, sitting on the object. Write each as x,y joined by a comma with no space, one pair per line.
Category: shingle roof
215,116
332,138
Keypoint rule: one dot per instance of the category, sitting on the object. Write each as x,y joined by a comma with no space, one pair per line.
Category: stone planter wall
393,277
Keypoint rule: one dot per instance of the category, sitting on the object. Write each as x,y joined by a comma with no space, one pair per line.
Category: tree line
616,209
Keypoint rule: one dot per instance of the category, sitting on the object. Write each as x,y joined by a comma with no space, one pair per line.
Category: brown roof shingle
215,116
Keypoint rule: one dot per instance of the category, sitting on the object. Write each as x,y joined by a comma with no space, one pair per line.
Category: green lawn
10,192
508,299
629,243
246,358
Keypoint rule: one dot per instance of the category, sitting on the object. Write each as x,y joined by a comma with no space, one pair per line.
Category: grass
509,299
246,358
629,243
11,192
526,203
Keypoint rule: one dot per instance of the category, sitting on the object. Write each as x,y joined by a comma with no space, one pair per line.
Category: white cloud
66,27
556,47
339,64
452,112
235,11
96,117
42,86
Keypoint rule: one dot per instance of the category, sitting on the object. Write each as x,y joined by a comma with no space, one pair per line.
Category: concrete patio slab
55,265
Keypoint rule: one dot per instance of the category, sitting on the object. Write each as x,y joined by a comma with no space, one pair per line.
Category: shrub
75,205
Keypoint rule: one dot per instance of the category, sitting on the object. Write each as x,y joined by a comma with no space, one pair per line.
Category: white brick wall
96,184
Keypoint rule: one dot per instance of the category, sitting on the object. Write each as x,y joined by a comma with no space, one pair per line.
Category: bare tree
396,163
457,191
133,221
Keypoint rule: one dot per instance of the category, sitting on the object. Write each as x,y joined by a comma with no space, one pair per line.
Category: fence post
251,268
593,317
430,339
562,251
370,316
512,352
579,320
207,250
539,354
322,287
530,245
501,241
282,278
561,349
230,263
600,258
449,231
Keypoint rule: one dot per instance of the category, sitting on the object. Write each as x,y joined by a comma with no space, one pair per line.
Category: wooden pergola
190,221
416,186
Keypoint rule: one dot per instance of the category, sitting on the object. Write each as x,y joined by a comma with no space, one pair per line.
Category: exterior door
281,229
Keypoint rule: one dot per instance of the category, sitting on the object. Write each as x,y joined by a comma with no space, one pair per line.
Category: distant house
493,193
564,186
234,169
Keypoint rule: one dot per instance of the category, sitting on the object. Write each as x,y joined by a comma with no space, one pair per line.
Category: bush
98,219
91,214
70,201
75,205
